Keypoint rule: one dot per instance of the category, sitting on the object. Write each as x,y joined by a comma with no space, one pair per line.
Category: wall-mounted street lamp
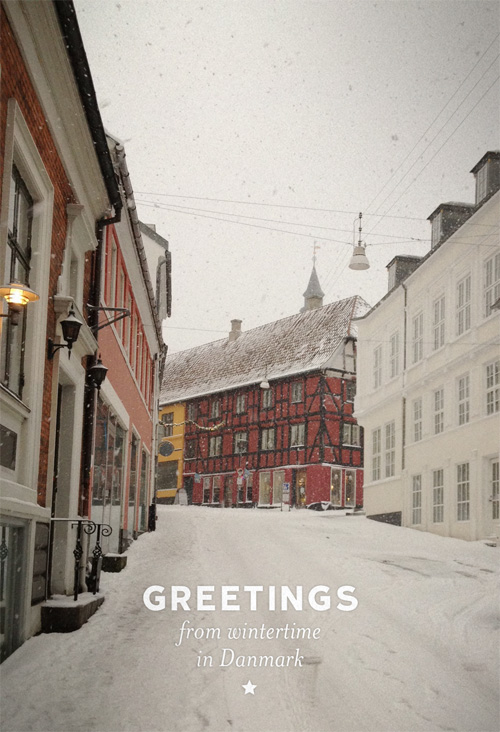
70,329
97,373
17,296
359,259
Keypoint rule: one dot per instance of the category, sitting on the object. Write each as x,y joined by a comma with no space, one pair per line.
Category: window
190,450
377,367
417,338
267,439
216,489
264,487
394,355
390,449
481,183
240,403
493,387
437,496
436,229
417,419
297,434
168,420
215,409
495,485
463,399
438,323
351,434
297,388
376,453
350,391
215,446
463,305
463,492
267,398
278,483
112,276
191,412
206,490
240,443
438,411
491,283
17,267
416,514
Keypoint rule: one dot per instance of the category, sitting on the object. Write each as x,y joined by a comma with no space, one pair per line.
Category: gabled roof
303,342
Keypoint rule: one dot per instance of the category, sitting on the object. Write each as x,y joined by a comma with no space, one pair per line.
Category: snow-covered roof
293,345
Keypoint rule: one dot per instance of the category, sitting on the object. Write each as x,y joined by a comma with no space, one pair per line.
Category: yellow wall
177,439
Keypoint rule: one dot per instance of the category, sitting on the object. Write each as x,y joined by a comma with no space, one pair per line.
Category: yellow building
170,466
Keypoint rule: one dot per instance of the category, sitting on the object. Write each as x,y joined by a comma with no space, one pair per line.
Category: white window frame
439,315
267,438
377,367
493,387
297,392
376,453
351,434
267,398
464,292
463,399
215,446
215,409
216,486
191,412
241,400
482,183
438,496
416,506
417,330
491,283
417,411
495,487
390,449
436,229
207,486
438,400
240,442
394,355
297,434
463,492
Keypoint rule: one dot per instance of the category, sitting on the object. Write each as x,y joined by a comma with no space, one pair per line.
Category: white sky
381,107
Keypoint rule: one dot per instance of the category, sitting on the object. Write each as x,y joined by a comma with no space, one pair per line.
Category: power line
192,209
434,120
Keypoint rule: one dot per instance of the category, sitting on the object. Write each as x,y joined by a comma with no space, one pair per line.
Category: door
300,487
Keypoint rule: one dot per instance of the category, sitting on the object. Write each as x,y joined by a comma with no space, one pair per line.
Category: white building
429,376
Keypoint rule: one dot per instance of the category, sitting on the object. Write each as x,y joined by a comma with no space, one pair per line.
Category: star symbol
249,687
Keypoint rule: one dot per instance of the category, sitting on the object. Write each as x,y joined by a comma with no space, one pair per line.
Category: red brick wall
16,84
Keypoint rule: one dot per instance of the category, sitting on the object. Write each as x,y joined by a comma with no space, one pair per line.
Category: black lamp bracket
53,347
124,313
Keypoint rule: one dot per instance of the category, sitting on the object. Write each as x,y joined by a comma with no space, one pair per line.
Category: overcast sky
254,129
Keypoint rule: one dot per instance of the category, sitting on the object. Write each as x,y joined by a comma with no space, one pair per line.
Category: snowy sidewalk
419,652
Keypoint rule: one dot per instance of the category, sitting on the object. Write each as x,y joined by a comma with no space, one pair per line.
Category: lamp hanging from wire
359,259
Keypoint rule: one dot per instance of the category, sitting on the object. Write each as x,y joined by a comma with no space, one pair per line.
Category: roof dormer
487,174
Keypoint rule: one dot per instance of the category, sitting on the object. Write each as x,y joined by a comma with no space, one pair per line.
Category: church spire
313,296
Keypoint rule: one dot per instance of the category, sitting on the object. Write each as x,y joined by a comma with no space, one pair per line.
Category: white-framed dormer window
417,331
377,367
463,395
463,305
438,411
481,183
491,283
493,387
394,355
436,229
438,322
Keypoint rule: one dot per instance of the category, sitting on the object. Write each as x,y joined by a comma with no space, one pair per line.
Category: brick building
269,411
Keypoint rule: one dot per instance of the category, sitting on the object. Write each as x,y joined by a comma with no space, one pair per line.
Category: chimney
235,331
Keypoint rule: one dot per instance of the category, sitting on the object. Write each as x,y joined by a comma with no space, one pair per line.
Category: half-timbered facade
269,412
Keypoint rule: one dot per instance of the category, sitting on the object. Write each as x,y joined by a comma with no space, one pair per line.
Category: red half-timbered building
269,411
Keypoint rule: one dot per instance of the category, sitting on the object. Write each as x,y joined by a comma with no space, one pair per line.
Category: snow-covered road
419,652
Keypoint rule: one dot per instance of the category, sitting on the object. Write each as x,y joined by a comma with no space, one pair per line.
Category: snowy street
419,652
